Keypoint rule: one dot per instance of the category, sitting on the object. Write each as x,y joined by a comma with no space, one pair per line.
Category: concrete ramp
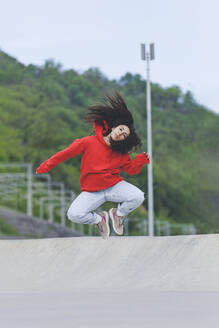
124,282
179,263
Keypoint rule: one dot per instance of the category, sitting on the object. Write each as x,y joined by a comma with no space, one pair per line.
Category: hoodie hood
99,130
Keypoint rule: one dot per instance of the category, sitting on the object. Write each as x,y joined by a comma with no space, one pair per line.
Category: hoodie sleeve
134,166
74,149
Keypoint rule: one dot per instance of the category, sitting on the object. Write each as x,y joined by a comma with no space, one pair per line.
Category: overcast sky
107,34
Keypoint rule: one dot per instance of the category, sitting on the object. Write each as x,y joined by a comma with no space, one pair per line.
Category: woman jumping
104,155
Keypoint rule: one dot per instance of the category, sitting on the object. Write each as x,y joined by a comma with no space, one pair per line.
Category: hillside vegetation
41,111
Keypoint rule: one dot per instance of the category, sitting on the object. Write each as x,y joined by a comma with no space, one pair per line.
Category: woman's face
121,132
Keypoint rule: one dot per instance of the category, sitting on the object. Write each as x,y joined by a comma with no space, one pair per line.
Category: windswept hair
114,111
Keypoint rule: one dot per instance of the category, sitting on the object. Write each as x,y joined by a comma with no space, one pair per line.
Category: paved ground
121,282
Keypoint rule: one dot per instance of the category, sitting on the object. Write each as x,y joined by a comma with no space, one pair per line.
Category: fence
50,200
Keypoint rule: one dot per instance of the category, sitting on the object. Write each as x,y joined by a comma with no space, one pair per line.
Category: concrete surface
121,282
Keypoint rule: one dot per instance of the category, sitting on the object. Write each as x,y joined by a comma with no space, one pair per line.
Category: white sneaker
103,225
117,221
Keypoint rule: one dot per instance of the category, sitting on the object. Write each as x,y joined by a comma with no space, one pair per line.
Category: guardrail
50,200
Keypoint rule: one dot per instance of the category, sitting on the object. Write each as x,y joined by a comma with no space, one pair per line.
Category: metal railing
42,199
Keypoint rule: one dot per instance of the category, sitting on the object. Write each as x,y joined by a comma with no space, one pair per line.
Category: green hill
41,111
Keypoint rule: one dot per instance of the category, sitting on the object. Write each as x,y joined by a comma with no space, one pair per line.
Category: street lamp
149,56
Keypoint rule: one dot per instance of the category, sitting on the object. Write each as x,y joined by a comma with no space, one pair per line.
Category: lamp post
149,56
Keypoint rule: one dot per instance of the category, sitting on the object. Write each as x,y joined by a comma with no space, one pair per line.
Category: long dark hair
114,111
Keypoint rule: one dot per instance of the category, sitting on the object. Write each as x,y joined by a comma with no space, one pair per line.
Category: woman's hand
43,168
147,156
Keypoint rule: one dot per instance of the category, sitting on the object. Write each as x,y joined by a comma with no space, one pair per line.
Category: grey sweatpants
127,195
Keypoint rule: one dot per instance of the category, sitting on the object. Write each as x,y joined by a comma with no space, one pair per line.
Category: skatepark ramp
175,263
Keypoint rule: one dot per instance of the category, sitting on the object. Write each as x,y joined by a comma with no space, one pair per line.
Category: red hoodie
100,166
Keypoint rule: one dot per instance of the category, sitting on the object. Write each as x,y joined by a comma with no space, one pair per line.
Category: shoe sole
112,219
107,224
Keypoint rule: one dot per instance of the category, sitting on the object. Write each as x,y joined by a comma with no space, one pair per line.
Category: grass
7,229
